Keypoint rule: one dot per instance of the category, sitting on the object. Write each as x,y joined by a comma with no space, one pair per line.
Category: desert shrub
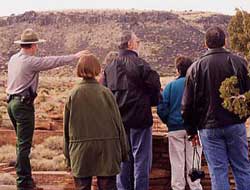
42,164
48,155
7,153
7,179
48,164
239,36
233,101
55,164
54,143
1,119
40,152
60,162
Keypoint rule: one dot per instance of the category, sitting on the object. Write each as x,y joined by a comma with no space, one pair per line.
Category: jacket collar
215,51
125,52
22,52
88,81
179,77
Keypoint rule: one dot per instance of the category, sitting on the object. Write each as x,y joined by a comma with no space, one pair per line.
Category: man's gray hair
124,39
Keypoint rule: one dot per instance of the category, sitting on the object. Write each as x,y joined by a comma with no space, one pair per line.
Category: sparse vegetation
54,143
46,156
164,33
163,36
1,119
57,163
49,103
7,153
7,179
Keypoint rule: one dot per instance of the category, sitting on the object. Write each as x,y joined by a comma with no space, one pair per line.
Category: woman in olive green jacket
95,142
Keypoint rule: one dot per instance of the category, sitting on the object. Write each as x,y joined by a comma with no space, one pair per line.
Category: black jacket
135,86
201,102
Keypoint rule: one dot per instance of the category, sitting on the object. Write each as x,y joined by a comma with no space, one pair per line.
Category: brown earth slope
164,34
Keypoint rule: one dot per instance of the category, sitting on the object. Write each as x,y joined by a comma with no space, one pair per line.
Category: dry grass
47,156
7,179
57,163
50,100
1,119
41,152
7,153
54,143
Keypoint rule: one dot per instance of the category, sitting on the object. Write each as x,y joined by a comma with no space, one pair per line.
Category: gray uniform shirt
23,70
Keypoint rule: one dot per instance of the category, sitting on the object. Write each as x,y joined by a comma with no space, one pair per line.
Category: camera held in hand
196,173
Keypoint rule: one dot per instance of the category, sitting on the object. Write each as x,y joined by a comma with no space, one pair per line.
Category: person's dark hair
26,46
215,37
182,64
125,37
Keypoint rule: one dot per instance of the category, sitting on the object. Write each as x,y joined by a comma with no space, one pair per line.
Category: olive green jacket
95,142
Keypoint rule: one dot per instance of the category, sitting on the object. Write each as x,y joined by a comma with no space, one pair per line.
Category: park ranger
23,75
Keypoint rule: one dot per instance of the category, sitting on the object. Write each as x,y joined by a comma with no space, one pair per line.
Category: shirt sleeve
163,107
47,63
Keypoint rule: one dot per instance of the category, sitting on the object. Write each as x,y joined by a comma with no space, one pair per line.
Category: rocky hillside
164,34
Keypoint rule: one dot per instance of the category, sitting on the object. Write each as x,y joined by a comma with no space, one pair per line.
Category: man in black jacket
136,88
222,133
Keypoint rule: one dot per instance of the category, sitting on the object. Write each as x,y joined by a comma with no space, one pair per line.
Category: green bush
239,36
233,101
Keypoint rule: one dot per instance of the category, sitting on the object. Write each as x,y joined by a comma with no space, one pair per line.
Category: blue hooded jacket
169,109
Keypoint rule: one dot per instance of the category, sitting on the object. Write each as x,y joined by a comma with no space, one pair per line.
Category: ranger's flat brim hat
29,37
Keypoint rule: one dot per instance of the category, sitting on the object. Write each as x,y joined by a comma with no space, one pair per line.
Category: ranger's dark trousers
23,120
103,183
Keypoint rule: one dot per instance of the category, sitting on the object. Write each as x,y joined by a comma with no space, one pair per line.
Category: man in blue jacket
180,149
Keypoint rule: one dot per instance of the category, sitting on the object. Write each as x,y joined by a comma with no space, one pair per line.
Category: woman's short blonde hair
88,67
